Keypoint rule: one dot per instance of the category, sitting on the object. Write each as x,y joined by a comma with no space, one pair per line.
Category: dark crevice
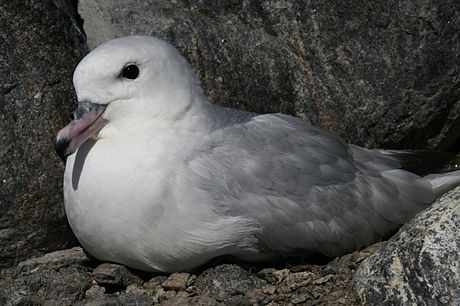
10,88
113,288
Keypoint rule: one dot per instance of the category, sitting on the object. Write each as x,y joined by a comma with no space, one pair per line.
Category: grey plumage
306,188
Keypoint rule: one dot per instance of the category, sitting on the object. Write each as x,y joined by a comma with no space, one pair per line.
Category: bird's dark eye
130,72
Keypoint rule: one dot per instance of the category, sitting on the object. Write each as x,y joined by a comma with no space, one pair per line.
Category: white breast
132,206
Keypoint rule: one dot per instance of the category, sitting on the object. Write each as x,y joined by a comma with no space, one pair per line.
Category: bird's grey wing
306,188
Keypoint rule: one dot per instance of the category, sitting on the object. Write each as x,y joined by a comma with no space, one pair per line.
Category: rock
272,275
421,264
176,281
230,283
380,74
68,277
155,282
58,278
94,292
114,299
70,7
39,50
181,300
114,276
133,295
56,260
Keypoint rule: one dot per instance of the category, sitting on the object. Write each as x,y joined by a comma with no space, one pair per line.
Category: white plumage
171,181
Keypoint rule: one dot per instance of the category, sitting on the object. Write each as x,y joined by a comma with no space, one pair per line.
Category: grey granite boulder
421,264
379,73
40,46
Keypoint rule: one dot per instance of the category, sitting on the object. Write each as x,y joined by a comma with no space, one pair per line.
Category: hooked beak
86,121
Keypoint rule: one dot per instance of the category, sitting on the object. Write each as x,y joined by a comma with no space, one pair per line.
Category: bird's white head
134,78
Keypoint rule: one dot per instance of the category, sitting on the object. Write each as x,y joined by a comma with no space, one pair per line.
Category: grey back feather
306,188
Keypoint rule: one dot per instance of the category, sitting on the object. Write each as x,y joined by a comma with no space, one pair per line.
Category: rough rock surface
421,264
69,277
379,73
39,50
55,279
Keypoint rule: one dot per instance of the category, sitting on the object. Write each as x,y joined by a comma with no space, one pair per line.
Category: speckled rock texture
68,277
379,73
421,264
40,46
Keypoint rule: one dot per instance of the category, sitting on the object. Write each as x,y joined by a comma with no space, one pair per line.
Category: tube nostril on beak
60,146
86,121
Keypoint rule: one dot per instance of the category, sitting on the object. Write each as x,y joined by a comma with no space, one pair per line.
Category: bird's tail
443,182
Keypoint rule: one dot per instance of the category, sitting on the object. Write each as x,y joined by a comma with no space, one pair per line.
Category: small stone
283,288
168,295
270,289
55,260
268,275
298,277
316,295
136,289
182,295
192,290
94,292
300,298
322,280
158,296
228,281
191,280
155,282
342,301
108,273
115,274
180,300
176,281
281,274
445,299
